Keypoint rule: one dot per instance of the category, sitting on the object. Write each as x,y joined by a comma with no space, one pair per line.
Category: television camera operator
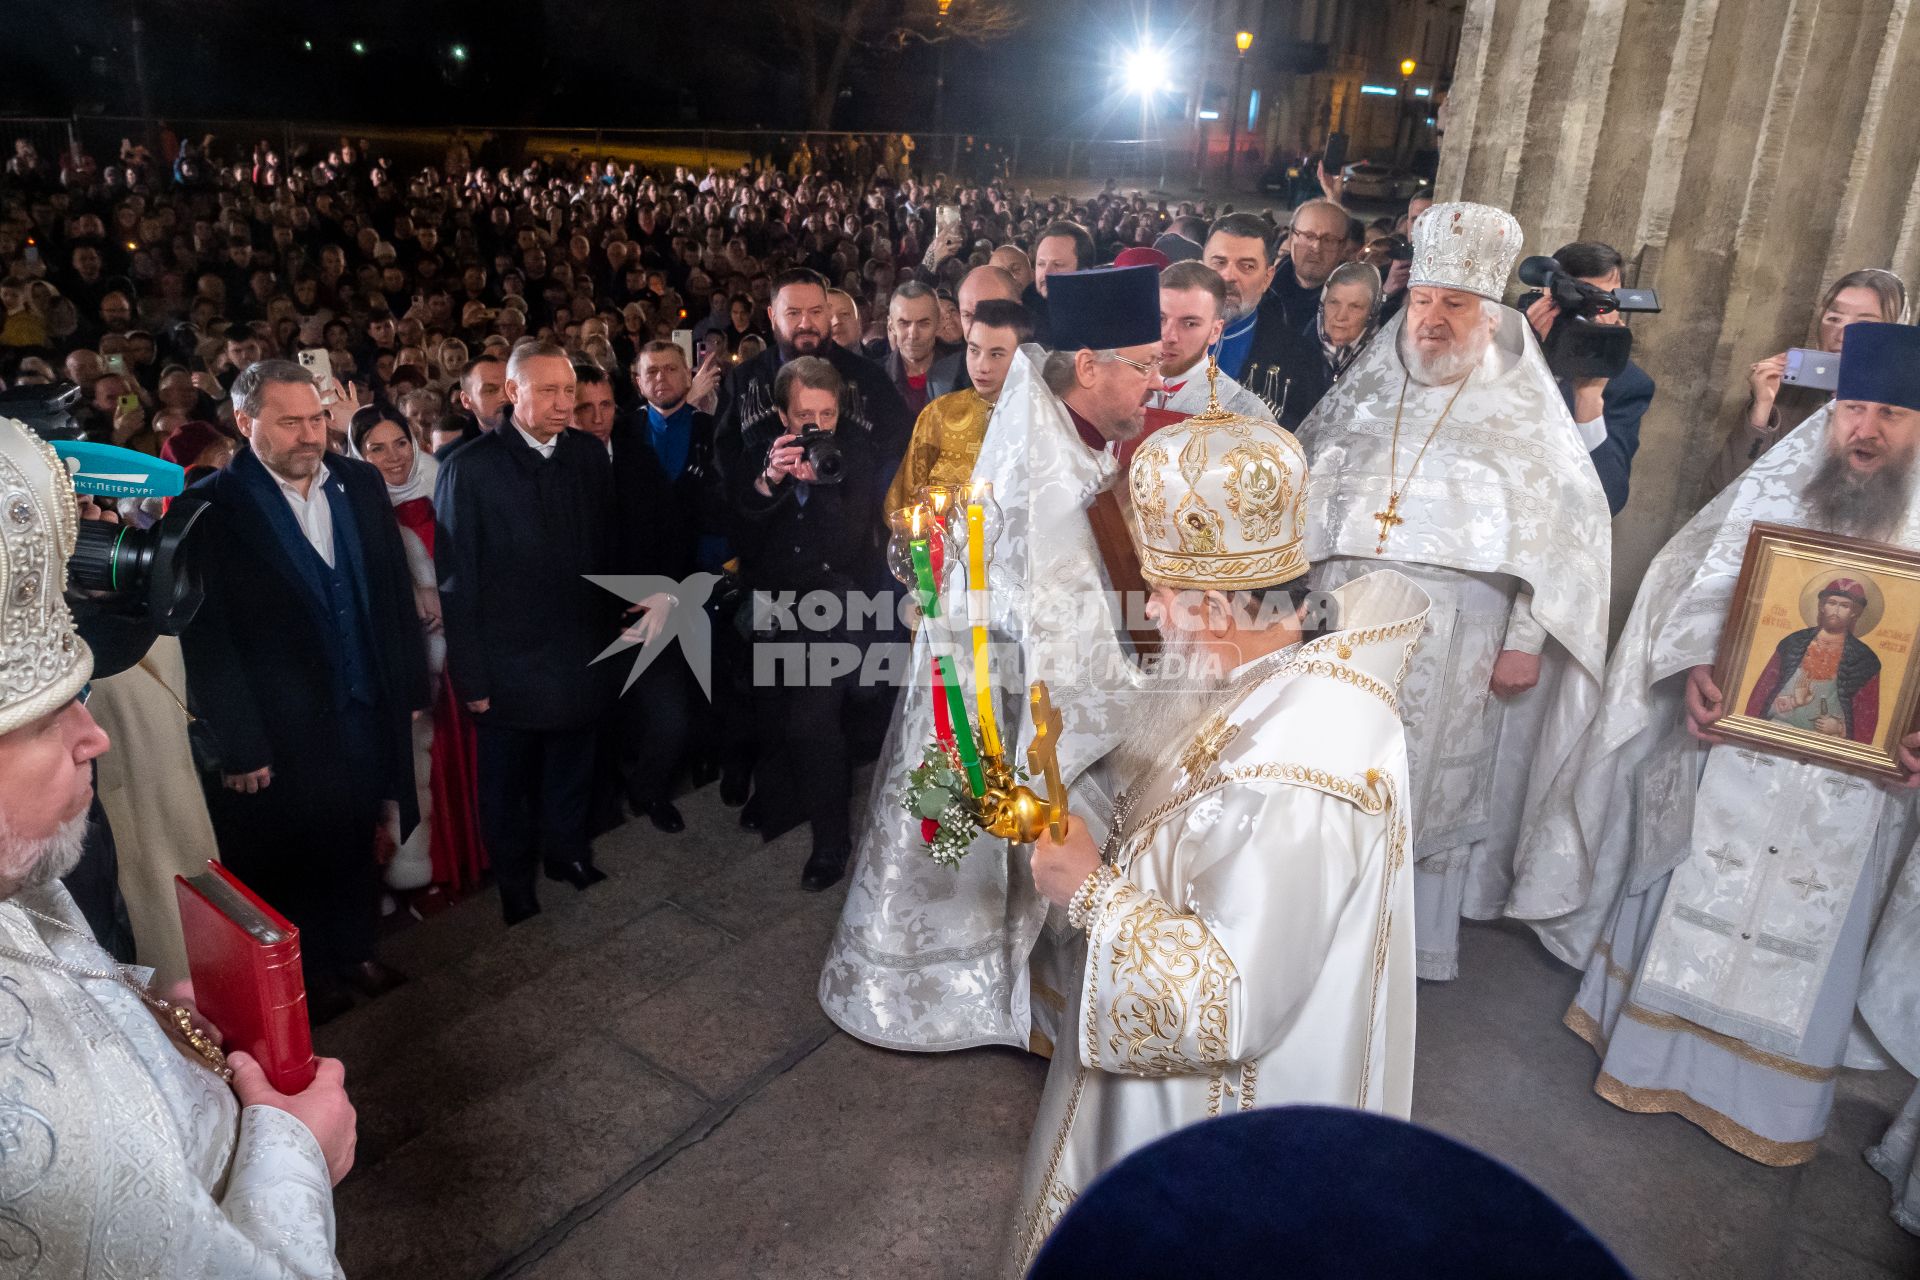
1606,408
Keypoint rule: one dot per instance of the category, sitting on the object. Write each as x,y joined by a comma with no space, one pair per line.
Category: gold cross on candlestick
1387,520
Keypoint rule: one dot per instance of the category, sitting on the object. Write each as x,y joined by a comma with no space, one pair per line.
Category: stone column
1739,153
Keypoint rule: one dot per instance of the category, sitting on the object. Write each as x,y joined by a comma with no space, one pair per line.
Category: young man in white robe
127,1152
930,957
1447,452
1728,895
1248,920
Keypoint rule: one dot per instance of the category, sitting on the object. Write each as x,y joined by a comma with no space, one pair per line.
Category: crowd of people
465,435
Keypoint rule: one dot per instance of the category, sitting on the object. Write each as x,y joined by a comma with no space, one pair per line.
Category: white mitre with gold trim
1217,502
1462,245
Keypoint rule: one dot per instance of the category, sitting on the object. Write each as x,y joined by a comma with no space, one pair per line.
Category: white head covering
43,663
1465,246
420,480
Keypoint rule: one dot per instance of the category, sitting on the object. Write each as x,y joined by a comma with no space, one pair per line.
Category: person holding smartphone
1774,409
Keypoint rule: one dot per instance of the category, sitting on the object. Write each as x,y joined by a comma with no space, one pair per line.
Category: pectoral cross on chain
1387,520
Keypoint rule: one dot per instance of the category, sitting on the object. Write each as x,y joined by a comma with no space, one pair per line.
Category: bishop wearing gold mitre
1447,452
1248,921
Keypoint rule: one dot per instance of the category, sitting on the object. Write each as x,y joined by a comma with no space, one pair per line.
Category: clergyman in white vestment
930,957
125,1153
1446,451
1728,894
1248,939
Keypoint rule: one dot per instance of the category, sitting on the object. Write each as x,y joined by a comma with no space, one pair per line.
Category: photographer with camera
807,517
1606,408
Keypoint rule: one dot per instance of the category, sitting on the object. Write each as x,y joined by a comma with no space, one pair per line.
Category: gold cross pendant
1207,745
1387,520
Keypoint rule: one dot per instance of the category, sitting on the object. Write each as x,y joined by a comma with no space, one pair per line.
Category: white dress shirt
311,512
544,448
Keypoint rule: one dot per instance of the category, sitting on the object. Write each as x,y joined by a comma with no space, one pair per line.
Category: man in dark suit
800,533
524,512
306,661
1606,411
483,397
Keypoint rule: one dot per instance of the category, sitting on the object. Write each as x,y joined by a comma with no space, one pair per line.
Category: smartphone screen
128,403
116,363
683,338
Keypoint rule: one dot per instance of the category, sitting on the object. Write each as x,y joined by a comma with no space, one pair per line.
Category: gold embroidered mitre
1218,502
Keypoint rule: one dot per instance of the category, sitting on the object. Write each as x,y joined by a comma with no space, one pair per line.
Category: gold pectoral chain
1390,517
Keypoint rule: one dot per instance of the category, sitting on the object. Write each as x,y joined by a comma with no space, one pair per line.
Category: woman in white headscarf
443,855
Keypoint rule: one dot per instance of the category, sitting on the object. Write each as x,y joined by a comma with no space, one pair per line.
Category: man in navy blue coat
306,662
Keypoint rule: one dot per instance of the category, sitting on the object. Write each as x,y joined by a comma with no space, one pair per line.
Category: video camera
1578,345
118,570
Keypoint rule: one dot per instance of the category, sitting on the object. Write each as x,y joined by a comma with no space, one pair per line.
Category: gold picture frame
1820,658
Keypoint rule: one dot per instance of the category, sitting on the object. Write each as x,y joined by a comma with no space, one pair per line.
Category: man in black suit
483,400
524,512
306,661
1606,411
802,532
870,408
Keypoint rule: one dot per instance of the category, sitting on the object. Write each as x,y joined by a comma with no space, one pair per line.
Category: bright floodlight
1146,70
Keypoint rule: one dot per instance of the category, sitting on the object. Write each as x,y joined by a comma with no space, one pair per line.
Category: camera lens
829,463
109,557
139,572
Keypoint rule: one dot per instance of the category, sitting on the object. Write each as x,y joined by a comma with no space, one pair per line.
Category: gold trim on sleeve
1168,980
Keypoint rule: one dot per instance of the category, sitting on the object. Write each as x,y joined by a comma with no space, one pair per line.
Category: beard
1183,689
1871,507
1445,367
35,864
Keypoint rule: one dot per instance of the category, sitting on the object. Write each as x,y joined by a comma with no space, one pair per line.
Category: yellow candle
977,611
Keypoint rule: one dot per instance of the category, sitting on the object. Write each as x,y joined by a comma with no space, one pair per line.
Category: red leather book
245,961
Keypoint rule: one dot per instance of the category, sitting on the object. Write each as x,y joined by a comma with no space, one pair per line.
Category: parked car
1371,180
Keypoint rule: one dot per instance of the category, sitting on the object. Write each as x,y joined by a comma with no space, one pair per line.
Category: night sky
634,63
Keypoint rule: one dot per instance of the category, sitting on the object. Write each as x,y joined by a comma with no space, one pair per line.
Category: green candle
962,730
923,573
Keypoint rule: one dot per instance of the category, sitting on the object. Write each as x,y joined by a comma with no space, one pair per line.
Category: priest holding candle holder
945,954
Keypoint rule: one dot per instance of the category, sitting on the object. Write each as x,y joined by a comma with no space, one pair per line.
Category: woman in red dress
443,856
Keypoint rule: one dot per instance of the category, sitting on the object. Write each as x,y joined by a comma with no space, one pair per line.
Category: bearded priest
931,957
1247,922
1447,452
1729,895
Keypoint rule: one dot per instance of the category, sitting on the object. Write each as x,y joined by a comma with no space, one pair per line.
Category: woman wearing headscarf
443,855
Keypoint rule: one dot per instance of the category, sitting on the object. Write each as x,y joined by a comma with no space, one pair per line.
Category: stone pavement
639,1083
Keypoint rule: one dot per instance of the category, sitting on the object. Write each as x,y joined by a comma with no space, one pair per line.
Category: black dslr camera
821,450
116,570
1578,346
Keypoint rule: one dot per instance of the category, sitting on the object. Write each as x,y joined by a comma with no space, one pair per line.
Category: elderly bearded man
127,1153
1247,924
1447,451
929,957
1723,924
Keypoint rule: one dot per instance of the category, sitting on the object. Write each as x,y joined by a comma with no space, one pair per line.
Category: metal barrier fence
969,157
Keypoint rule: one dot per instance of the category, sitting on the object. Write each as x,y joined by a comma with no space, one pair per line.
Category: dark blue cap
1105,308
1317,1191
1880,363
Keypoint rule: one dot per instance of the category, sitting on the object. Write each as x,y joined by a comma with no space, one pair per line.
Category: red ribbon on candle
942,721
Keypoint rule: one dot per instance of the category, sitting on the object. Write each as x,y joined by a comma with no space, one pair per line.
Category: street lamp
1146,71
1243,41
1408,66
